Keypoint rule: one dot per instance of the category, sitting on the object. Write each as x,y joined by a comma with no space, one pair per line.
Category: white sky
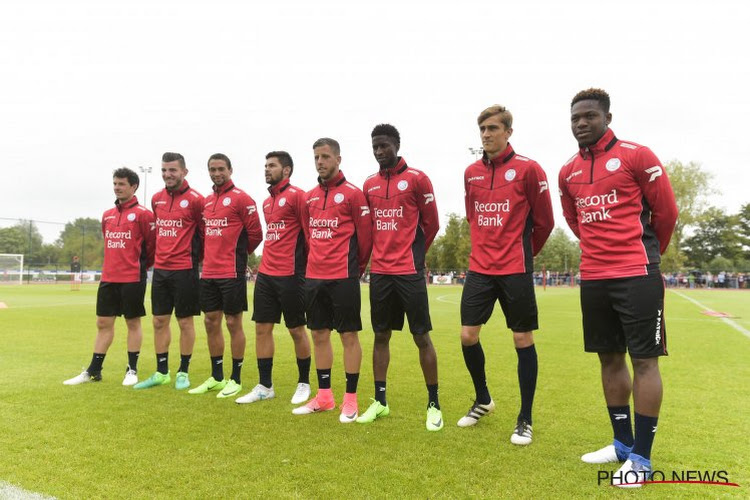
88,86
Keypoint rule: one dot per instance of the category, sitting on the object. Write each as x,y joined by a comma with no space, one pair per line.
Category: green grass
106,441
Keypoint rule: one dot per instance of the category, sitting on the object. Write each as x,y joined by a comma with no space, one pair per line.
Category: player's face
274,171
326,162
588,121
123,190
173,174
385,150
494,135
219,171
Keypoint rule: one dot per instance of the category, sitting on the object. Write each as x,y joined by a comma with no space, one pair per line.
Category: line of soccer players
616,198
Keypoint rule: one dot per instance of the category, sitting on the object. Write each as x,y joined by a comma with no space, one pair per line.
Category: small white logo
226,201
365,210
577,172
339,197
620,416
428,198
543,186
184,203
131,217
613,164
251,209
655,172
654,430
510,175
402,185
475,178
282,202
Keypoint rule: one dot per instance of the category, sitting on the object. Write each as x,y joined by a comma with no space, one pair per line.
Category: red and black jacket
129,242
179,230
285,247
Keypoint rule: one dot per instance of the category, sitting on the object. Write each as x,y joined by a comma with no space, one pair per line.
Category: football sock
162,362
380,392
621,424
185,362
303,365
265,367
95,367
324,379
133,360
237,369
352,379
432,396
645,430
474,359
217,368
528,368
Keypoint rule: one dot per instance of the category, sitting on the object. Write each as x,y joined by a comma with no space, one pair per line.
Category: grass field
107,441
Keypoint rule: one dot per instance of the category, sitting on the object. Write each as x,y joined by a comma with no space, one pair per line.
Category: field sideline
107,441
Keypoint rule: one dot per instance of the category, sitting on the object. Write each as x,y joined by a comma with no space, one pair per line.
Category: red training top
285,249
179,231
128,242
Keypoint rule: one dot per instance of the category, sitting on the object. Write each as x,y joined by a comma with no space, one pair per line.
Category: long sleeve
657,190
148,230
568,206
537,193
427,210
251,222
363,226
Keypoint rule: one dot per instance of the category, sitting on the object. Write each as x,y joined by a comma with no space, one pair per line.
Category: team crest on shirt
339,197
226,201
131,217
510,174
402,185
613,164
184,203
282,202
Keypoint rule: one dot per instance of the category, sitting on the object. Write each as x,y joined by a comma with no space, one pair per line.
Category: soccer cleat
349,408
374,411
83,378
259,393
434,418
231,388
131,377
609,454
302,393
315,405
211,384
522,434
633,473
157,378
182,381
476,412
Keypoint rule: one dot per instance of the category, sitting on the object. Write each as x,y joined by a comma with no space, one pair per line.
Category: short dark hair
284,158
594,94
387,130
220,156
170,157
126,173
327,141
506,118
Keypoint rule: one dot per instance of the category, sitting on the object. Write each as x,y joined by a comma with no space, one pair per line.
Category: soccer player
510,217
232,232
405,222
174,286
618,201
75,269
279,286
340,243
128,231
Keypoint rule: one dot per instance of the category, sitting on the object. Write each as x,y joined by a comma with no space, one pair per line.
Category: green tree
715,235
451,250
560,253
23,238
82,237
691,186
743,230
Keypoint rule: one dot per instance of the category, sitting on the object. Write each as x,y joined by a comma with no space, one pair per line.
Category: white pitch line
442,297
10,492
728,321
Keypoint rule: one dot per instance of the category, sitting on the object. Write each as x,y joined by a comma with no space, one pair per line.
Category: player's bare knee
470,335
612,360
161,322
643,367
422,340
382,338
349,339
522,340
185,323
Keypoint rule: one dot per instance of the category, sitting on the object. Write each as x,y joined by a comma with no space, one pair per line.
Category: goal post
11,268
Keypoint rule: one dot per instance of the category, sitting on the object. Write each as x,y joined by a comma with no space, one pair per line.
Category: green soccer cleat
434,418
211,384
376,410
231,388
157,378
182,381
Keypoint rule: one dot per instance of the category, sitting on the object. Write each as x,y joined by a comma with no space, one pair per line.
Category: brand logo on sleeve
543,186
655,172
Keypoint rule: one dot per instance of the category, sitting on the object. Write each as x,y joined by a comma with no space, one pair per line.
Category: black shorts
393,295
625,314
333,304
121,299
224,294
178,290
515,292
276,294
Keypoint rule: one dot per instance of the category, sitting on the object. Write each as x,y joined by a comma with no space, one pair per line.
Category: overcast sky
89,86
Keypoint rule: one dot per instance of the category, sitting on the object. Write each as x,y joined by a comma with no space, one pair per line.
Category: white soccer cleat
259,393
131,378
302,393
522,434
631,475
83,378
476,412
606,455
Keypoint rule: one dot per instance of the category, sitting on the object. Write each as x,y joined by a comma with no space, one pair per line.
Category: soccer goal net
11,268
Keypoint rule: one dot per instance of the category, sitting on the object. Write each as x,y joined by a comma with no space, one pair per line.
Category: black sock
528,368
95,367
303,366
352,379
432,396
185,362
217,368
645,430
621,424
265,368
237,369
162,362
133,360
474,359
380,392
324,379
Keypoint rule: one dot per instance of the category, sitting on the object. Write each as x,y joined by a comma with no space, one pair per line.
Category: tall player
279,286
340,246
510,217
174,286
618,201
128,231
405,222
232,232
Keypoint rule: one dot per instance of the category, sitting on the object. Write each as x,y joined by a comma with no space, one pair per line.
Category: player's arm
363,225
568,205
467,198
427,210
251,221
656,188
537,193
200,229
303,216
147,223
